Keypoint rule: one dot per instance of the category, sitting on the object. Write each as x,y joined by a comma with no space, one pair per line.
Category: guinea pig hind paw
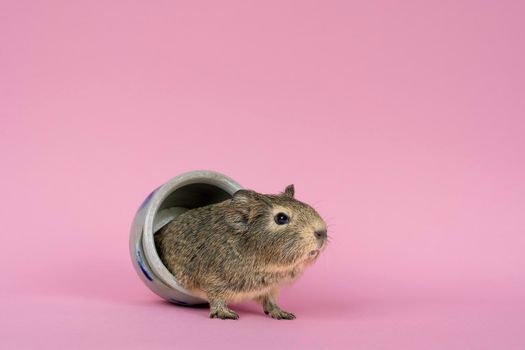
224,314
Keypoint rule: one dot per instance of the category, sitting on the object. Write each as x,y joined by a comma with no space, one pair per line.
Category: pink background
402,122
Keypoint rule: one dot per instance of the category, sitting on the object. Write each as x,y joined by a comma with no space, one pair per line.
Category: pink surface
403,122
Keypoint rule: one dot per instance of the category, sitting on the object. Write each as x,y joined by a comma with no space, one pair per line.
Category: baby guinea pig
242,248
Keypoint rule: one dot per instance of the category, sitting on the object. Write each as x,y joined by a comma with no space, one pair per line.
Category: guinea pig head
278,228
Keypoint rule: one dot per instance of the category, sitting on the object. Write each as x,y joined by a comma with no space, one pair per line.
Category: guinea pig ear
245,206
289,191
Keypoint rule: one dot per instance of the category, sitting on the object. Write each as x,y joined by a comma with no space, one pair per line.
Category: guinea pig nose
320,234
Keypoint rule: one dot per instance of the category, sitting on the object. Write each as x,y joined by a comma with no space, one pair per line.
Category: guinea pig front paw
224,314
279,314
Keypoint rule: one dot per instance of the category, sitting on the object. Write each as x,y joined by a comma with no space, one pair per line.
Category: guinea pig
243,248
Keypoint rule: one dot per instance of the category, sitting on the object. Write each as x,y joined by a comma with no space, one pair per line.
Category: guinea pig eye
281,219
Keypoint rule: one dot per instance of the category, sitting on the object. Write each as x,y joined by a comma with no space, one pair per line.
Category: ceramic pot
185,191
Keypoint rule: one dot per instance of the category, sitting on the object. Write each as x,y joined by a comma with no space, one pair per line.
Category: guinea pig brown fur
242,248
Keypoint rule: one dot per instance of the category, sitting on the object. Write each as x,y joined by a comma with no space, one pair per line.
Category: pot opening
194,196
184,192
185,198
